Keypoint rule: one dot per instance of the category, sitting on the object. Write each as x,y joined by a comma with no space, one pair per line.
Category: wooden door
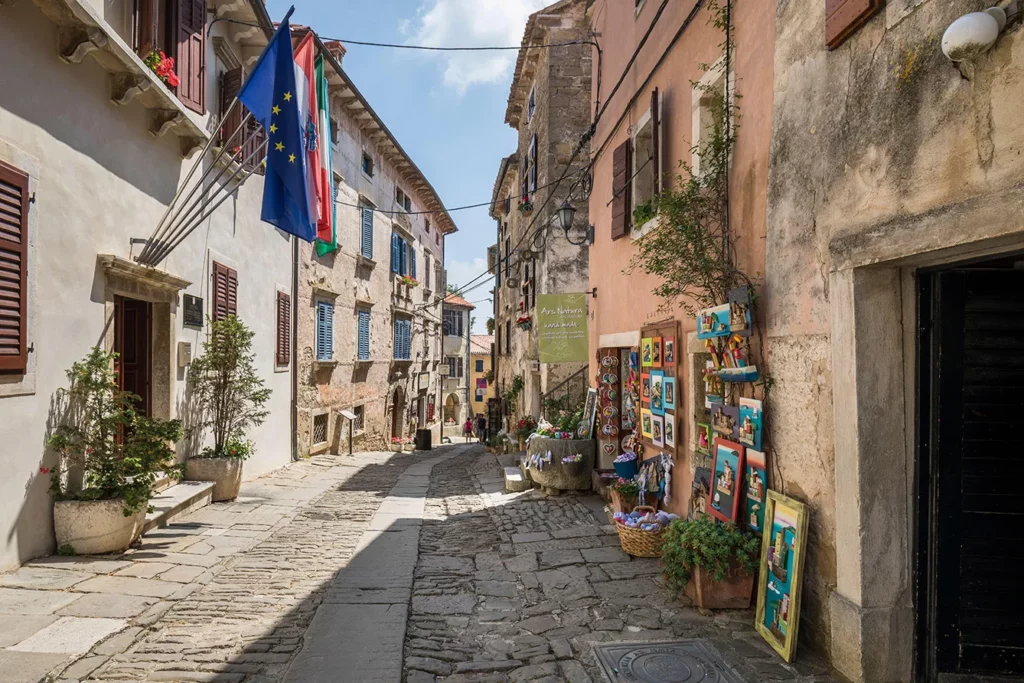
971,519
132,343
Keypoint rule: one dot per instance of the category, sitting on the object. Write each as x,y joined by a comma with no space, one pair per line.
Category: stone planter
93,527
733,592
225,473
555,476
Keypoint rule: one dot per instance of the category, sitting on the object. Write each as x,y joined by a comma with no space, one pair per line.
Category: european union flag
270,94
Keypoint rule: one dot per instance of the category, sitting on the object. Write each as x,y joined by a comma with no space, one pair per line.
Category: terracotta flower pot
733,592
93,527
225,473
623,503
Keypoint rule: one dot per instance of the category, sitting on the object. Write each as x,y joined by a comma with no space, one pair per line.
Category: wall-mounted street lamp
566,213
974,34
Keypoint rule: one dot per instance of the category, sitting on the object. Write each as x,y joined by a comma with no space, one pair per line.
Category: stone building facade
481,386
549,107
366,341
895,179
458,321
92,148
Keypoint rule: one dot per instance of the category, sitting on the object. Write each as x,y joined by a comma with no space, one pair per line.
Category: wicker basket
639,543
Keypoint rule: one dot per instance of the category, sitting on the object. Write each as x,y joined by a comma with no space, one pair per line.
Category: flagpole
195,223
163,227
172,227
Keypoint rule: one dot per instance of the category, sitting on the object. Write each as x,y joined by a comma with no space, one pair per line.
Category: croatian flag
305,84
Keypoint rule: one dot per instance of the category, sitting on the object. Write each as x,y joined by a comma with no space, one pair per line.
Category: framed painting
658,430
713,322
726,473
670,430
756,481
646,351
645,388
725,420
657,392
645,423
656,352
669,352
668,393
782,562
699,493
739,311
704,437
750,423
586,427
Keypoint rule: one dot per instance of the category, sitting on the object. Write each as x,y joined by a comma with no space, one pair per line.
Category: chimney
336,49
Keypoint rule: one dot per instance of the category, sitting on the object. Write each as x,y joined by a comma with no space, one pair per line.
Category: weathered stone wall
884,158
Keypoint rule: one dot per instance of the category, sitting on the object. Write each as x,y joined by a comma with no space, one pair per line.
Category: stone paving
513,587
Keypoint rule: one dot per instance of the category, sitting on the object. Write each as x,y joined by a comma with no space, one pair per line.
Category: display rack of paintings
726,475
782,560
659,344
610,377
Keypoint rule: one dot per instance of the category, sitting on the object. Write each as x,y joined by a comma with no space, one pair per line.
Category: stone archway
451,410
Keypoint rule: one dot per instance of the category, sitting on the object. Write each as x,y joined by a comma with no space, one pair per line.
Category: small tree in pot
109,458
713,563
232,397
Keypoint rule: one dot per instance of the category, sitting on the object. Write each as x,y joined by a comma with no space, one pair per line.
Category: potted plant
109,459
713,563
625,493
163,67
524,322
525,205
396,444
525,427
231,399
409,281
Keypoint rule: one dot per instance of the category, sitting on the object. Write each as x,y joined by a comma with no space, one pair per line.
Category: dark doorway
132,343
970,468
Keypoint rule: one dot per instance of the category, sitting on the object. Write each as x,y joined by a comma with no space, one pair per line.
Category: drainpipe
295,348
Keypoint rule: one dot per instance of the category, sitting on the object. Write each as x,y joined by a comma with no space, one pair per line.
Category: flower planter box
733,592
555,476
225,473
94,527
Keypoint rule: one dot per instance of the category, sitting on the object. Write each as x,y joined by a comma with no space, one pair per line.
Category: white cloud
450,23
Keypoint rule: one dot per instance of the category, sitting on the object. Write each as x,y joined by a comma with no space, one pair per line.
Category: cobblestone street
318,571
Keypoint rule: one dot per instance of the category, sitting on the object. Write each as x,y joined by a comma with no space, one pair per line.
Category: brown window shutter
843,17
621,190
191,58
147,23
13,269
284,328
230,84
232,292
225,291
656,140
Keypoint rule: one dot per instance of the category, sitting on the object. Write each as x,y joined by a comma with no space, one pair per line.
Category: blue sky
446,109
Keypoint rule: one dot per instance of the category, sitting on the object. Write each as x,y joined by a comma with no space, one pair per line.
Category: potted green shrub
231,399
109,459
712,563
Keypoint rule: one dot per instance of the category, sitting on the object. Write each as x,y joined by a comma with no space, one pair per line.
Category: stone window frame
644,127
700,107
24,384
320,446
360,412
531,104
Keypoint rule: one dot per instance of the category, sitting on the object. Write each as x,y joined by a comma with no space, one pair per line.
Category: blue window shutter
364,335
395,258
324,331
367,236
412,258
407,345
330,331
402,250
397,353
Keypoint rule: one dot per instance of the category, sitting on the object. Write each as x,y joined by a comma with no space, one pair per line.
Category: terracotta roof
480,343
456,300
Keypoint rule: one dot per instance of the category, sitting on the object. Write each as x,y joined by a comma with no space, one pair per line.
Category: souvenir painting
586,426
782,562
657,387
699,492
669,352
750,423
724,501
725,420
704,437
713,388
634,360
713,322
658,430
645,423
670,429
739,311
646,351
756,481
645,388
668,393
656,352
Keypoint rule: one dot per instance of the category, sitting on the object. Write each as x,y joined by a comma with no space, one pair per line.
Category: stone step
178,500
163,482
515,481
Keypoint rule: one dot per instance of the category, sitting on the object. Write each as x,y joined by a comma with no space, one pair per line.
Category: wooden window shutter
844,17
13,269
225,291
284,328
656,140
324,331
147,23
191,57
621,190
230,83
363,346
366,238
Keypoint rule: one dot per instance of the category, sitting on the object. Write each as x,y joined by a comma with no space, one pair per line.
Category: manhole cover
679,661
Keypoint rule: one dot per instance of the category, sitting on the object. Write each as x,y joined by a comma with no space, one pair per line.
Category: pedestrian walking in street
481,427
467,429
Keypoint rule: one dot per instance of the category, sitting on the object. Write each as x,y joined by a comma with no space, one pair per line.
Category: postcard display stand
612,375
659,361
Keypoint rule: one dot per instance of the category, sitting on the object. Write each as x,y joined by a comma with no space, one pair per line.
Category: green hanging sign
562,328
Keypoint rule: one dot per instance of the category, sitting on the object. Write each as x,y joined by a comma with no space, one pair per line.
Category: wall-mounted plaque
193,311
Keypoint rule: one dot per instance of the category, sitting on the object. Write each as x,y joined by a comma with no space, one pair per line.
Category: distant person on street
481,427
467,429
